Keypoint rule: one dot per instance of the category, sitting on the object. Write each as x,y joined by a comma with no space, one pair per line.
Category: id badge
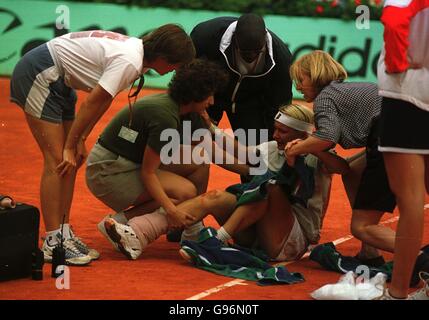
128,134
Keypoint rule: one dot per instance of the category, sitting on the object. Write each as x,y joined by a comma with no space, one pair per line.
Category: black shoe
376,262
174,235
422,264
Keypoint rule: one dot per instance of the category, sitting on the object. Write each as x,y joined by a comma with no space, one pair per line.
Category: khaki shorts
114,180
295,246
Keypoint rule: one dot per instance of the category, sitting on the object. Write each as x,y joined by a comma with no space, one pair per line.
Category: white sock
120,217
51,237
222,235
162,211
194,229
66,231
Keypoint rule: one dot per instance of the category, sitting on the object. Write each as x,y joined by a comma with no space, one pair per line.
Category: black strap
134,95
139,87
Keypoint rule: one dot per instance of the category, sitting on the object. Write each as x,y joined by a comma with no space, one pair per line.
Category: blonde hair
320,67
298,112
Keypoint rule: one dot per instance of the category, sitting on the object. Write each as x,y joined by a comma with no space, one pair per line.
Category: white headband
294,123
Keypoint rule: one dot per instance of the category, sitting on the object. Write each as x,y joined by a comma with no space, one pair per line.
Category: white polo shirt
88,58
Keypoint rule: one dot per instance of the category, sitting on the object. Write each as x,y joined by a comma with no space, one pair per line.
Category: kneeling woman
126,170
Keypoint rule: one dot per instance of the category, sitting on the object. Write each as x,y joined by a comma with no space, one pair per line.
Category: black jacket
258,97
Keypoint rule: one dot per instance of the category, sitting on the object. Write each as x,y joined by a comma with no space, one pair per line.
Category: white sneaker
124,237
119,217
423,293
83,247
72,254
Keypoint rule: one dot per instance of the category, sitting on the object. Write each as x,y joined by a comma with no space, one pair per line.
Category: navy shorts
37,87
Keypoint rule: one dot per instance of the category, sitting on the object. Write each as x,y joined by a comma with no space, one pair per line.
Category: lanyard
134,95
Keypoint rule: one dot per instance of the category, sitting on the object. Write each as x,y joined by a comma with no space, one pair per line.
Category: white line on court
242,282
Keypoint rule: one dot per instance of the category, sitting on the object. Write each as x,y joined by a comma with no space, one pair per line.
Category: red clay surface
160,273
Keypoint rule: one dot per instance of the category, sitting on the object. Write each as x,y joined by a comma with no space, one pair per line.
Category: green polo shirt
151,115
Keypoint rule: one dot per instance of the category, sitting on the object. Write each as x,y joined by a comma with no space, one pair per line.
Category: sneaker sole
186,256
71,263
102,229
48,259
116,238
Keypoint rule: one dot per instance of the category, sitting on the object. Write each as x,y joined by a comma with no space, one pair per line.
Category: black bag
19,236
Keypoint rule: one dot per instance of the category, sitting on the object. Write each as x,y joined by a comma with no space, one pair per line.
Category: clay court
160,273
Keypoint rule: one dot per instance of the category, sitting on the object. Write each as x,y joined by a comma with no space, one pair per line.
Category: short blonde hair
320,67
298,112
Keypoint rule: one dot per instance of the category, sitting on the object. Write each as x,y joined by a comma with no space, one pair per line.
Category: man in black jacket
258,64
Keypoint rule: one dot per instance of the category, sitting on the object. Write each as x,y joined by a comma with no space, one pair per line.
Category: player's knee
212,195
208,198
51,161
